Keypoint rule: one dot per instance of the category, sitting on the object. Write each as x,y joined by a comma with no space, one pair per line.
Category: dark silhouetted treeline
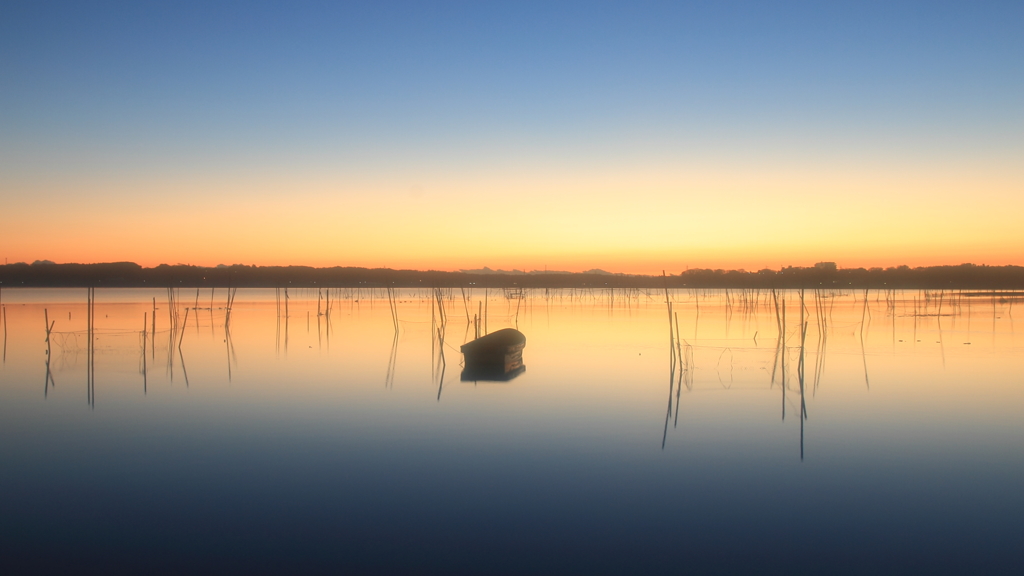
822,275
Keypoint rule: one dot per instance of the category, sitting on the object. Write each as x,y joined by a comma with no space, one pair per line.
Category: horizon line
485,270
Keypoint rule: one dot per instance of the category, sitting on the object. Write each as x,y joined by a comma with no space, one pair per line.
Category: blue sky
426,71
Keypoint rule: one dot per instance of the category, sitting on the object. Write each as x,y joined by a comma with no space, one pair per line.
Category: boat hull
495,357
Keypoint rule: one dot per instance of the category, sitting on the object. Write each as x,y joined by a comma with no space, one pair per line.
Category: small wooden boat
498,356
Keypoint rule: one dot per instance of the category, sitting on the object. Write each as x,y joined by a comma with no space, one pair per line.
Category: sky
628,136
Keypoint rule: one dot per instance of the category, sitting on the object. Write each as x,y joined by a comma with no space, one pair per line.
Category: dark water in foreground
320,443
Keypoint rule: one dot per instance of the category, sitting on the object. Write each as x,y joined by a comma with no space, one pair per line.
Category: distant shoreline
821,276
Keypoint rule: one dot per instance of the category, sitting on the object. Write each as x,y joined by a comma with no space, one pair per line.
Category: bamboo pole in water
182,337
784,358
671,336
153,339
90,353
49,353
145,325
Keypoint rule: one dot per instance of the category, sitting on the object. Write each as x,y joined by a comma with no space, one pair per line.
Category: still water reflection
271,430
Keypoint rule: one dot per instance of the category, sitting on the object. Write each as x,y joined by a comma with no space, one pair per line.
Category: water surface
756,432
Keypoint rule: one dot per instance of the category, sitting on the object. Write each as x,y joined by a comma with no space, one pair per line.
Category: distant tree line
824,275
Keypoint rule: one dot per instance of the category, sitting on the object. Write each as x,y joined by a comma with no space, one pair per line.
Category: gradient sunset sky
632,137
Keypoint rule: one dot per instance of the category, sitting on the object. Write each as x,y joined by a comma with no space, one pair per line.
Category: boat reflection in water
496,357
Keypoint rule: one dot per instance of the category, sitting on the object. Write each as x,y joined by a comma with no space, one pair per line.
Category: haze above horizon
572,136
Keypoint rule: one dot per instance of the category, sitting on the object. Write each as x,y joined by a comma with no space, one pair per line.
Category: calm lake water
880,433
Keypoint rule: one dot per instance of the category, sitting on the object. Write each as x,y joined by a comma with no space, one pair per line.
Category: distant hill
825,275
486,270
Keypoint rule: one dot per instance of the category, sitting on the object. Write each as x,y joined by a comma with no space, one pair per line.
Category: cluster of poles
681,358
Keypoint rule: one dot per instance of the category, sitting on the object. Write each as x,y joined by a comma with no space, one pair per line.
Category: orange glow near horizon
619,221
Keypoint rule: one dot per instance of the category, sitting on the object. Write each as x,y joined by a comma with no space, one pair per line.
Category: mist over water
327,430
